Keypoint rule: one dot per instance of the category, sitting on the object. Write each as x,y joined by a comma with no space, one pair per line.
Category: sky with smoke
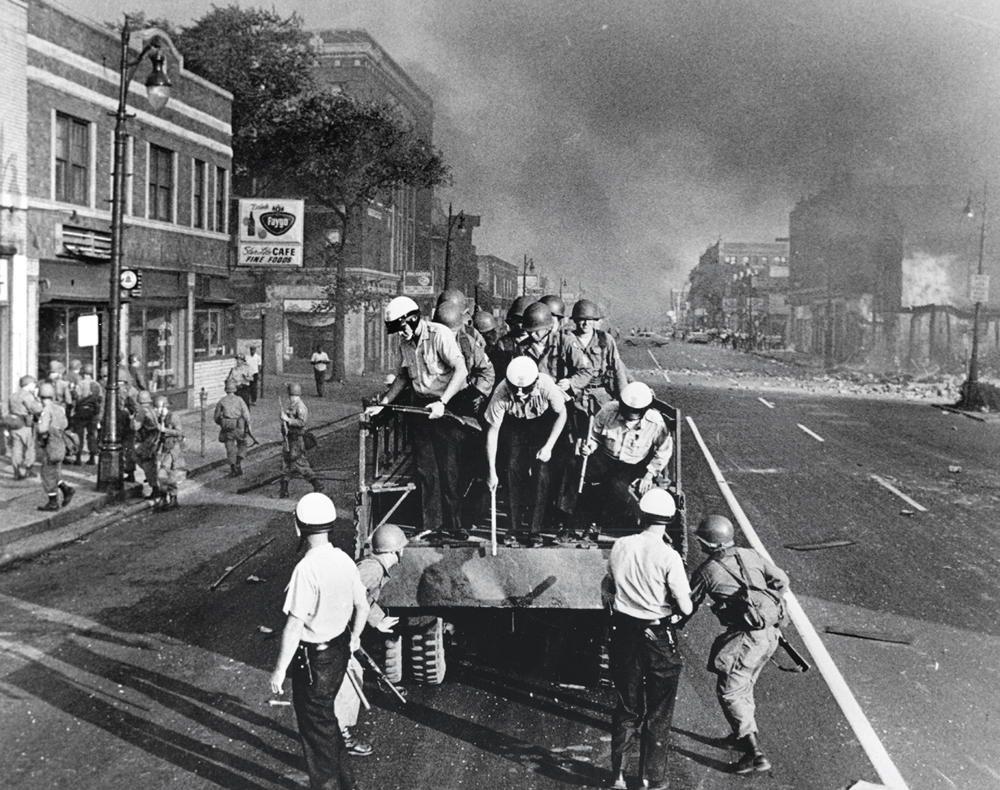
614,141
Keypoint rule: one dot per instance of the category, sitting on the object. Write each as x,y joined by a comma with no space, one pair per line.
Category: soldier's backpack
751,608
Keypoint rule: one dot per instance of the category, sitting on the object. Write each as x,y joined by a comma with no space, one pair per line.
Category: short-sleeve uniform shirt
546,395
431,358
648,576
322,591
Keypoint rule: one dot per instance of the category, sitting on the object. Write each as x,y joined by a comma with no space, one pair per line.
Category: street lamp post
109,469
529,265
970,396
458,219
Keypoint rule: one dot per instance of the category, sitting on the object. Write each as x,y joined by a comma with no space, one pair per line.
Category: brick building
63,86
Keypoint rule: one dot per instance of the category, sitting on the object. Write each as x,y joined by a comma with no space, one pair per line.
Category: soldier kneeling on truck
628,448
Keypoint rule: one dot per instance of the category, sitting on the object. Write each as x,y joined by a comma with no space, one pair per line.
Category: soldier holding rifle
294,461
233,418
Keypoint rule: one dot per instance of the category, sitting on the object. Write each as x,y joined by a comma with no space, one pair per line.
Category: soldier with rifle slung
170,466
294,417
147,441
233,418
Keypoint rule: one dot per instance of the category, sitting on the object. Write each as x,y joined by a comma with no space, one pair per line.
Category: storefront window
211,338
153,338
59,336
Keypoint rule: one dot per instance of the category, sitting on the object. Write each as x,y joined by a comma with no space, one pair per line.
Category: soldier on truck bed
434,368
531,410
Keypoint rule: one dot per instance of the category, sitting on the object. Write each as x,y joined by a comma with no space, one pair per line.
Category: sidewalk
25,531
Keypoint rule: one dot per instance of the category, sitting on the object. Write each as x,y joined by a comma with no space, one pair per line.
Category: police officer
171,468
532,411
294,461
233,418
629,447
387,543
326,610
433,366
648,593
51,436
738,654
25,406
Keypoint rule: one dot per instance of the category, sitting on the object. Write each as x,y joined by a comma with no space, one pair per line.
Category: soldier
471,400
486,325
146,427
738,655
326,611
124,409
434,368
387,542
557,307
629,447
61,387
294,418
26,407
52,446
135,374
648,594
610,373
506,347
170,466
532,410
242,376
233,418
88,410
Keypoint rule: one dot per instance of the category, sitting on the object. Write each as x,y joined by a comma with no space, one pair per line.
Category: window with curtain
72,160
161,184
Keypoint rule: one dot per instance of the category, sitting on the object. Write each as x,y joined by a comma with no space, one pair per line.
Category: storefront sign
88,330
270,233
418,283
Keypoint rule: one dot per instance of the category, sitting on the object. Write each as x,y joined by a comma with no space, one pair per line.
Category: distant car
699,337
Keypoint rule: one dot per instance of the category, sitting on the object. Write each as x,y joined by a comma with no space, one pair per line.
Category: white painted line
813,435
769,405
656,362
886,484
869,740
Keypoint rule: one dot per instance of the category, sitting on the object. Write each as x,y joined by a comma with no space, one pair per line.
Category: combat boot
239,469
171,502
67,492
52,504
283,491
232,471
753,758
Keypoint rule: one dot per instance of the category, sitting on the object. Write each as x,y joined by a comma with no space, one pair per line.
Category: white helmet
659,503
315,513
637,396
522,371
400,307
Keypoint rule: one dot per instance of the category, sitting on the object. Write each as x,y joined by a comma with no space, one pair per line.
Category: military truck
458,594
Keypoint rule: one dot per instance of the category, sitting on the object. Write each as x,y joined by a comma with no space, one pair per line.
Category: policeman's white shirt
322,592
648,575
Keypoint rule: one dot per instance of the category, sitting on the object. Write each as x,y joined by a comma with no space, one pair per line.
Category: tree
341,154
264,60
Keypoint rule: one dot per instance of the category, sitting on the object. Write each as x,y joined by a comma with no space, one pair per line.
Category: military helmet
46,390
636,396
144,397
556,305
522,371
586,309
715,532
536,317
453,296
659,503
483,321
24,381
230,385
517,309
161,401
75,364
388,538
55,366
294,388
449,314
88,369
315,513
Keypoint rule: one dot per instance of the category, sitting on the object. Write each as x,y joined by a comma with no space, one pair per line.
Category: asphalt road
119,666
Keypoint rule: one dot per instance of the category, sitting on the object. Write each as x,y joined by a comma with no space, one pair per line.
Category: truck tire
393,665
427,653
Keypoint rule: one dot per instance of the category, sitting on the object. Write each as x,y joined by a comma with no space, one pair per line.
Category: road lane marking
769,405
817,437
656,362
886,484
870,742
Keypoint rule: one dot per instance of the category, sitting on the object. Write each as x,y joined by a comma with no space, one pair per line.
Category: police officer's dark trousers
437,445
645,668
316,678
526,477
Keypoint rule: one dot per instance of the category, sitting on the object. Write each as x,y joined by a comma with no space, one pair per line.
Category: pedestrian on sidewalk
319,360
294,417
233,418
240,374
25,407
254,362
326,611
171,468
52,447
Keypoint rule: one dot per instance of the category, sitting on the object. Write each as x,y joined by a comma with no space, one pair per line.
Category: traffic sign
979,288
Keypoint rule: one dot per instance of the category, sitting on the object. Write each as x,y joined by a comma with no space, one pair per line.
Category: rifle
284,427
467,421
801,665
590,427
379,673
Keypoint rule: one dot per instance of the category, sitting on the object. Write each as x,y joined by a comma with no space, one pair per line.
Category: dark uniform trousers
645,668
437,446
527,479
316,678
606,498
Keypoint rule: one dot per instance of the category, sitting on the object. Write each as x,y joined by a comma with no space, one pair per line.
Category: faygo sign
270,232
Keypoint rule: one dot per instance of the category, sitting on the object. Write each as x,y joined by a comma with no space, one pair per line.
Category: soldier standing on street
648,593
147,441
52,426
739,654
170,466
233,418
388,542
25,405
60,386
326,607
88,409
294,417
